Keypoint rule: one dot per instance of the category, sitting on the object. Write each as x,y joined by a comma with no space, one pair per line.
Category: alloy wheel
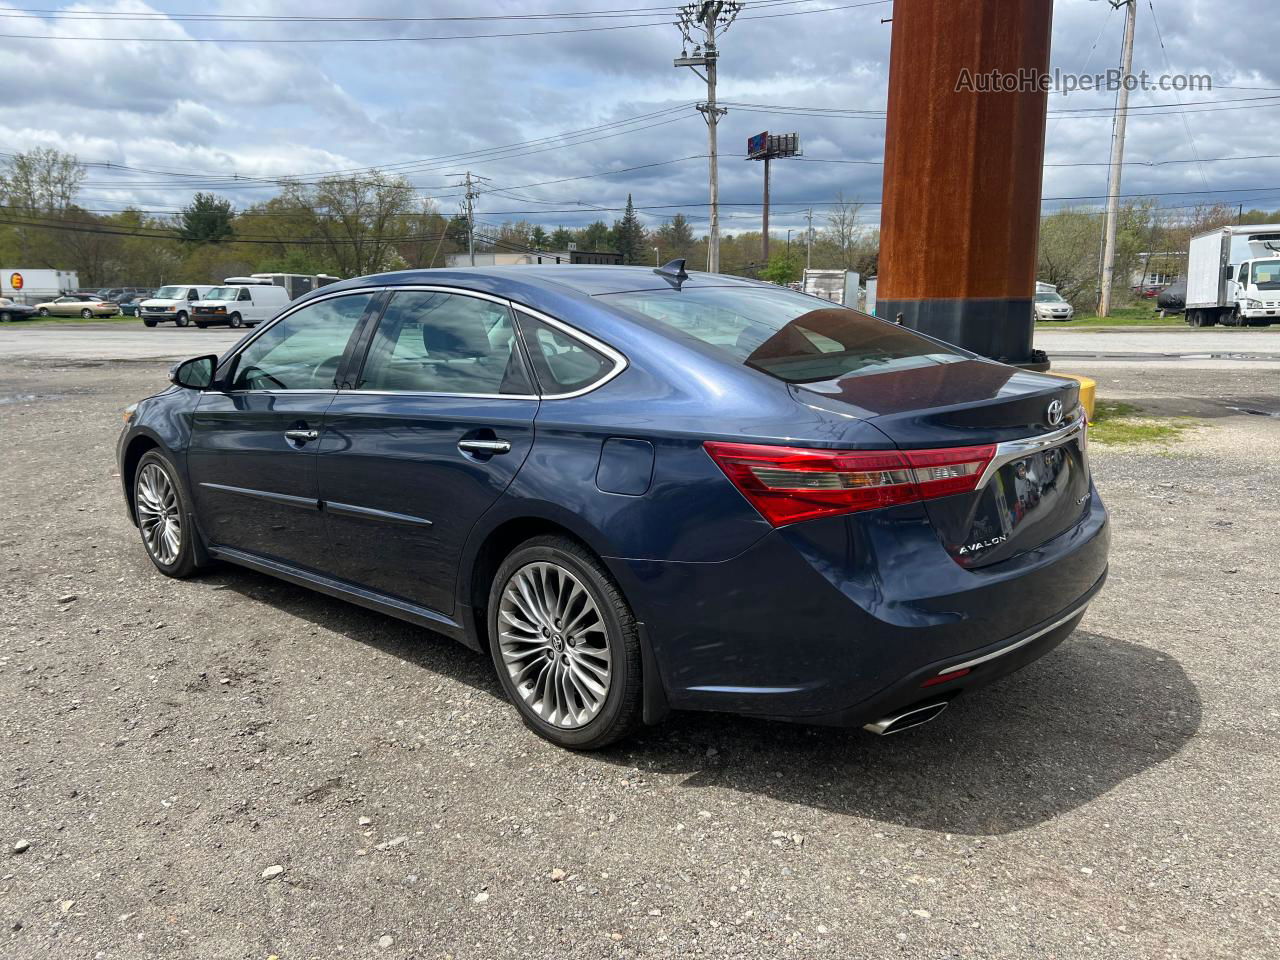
159,514
554,644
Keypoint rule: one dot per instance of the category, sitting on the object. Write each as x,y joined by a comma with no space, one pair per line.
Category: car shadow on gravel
1092,714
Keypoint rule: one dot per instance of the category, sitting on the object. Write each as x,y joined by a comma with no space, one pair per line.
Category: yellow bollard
1088,391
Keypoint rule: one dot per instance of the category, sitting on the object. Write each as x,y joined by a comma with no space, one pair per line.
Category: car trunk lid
1036,487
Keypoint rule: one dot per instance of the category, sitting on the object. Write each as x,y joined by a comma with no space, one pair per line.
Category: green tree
206,219
674,238
783,268
561,237
595,237
628,236
538,238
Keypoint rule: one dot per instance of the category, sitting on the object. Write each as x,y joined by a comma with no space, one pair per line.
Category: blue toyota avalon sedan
639,490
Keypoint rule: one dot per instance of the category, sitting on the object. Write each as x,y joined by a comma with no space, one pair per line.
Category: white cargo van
240,302
172,302
1233,276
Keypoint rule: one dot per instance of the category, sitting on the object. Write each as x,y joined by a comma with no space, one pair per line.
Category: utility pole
808,243
1117,157
765,227
711,18
471,220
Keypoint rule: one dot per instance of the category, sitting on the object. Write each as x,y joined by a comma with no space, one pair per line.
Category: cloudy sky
589,103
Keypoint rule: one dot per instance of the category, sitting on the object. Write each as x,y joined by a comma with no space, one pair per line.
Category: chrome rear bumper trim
970,664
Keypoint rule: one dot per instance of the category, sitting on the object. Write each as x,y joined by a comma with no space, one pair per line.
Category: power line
663,21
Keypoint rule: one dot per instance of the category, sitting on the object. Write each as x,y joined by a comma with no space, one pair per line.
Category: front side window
563,363
304,350
434,342
244,294
1244,273
794,338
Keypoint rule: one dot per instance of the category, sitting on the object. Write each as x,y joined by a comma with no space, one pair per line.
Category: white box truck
827,284
25,285
1233,276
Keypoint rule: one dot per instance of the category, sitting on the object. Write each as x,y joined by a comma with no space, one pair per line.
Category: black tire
200,324
86,314
44,311
620,713
236,321
181,319
5,317
148,323
185,563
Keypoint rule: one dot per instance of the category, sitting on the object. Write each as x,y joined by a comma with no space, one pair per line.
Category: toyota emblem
1053,415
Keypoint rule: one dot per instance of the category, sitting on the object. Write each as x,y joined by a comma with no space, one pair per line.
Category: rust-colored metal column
962,172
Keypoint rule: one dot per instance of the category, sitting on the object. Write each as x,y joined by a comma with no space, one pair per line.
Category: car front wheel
44,311
181,320
160,505
87,314
236,321
565,644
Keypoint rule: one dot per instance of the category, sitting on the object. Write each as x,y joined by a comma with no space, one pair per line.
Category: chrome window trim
620,362
1011,450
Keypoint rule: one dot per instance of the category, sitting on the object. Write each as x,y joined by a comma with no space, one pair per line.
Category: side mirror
194,374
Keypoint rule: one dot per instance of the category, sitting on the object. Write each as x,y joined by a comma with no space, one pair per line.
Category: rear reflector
944,677
789,484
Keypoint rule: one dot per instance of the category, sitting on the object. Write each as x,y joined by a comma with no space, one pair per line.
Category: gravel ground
235,767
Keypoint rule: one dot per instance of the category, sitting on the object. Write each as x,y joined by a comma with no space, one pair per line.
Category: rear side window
432,342
789,336
563,363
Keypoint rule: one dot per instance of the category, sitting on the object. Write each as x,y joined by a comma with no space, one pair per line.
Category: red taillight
788,484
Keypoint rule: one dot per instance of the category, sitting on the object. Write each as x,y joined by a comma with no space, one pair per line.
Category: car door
437,423
252,456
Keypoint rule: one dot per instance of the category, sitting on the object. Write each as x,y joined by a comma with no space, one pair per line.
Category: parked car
639,492
9,310
1051,306
172,303
76,304
130,303
241,302
1173,299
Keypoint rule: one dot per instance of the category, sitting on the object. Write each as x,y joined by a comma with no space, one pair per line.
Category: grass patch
1145,316
1116,423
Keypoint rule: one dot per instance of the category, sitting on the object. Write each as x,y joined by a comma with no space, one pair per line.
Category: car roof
589,279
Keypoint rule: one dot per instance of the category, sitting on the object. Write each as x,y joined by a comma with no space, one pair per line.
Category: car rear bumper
835,620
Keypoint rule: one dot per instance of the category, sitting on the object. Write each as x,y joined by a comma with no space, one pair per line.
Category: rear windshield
795,338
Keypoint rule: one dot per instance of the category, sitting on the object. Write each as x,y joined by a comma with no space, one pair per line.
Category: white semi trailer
1233,276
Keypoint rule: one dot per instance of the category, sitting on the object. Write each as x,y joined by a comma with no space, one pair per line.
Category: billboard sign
757,145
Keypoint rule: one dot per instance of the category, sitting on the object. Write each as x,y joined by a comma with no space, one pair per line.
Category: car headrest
454,336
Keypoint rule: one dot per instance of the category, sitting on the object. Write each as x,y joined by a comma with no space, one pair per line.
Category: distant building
1157,269
532,257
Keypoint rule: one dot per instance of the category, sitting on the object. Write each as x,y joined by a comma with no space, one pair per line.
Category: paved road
127,342
111,341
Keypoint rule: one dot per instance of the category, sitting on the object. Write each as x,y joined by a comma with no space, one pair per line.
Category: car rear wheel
161,507
87,314
181,320
4,317
201,324
44,311
236,321
565,644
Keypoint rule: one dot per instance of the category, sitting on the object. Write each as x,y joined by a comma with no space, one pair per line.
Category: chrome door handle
489,447
301,436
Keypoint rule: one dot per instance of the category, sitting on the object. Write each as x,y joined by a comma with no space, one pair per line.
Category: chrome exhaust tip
897,722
